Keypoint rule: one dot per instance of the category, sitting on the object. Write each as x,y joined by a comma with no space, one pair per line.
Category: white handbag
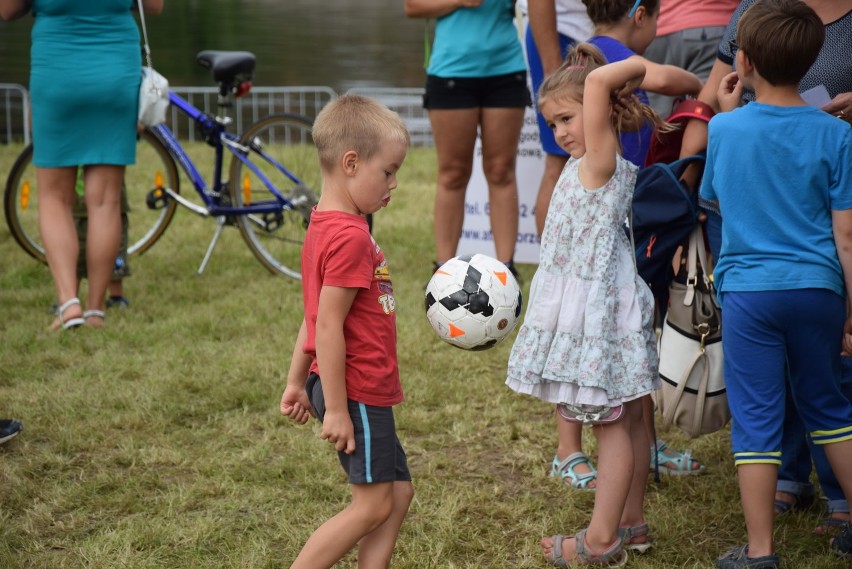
693,395
154,88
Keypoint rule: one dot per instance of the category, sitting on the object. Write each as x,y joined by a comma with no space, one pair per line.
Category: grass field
157,443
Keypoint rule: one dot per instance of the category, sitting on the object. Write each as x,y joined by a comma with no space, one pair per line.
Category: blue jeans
797,451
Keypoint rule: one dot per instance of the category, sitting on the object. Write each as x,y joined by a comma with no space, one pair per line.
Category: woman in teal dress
84,85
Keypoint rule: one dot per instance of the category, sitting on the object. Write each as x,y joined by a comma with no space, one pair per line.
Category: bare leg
615,478
570,440
501,129
757,491
371,506
553,166
56,199
634,508
376,548
103,188
454,132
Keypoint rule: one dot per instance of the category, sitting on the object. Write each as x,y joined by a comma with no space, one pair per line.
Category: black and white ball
473,302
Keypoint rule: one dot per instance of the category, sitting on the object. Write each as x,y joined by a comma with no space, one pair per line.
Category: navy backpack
664,214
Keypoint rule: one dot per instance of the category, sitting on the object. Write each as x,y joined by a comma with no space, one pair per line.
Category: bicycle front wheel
148,207
282,149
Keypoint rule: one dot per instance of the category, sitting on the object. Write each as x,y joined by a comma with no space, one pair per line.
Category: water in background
336,43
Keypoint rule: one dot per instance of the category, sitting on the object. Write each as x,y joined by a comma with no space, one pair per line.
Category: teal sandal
682,461
612,556
576,480
631,536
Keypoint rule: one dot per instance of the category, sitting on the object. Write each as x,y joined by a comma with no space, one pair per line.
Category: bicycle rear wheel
148,208
276,142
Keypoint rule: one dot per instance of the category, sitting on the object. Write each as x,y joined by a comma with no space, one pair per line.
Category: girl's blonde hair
355,122
568,83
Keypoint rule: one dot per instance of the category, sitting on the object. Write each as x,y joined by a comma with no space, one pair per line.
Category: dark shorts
378,456
499,91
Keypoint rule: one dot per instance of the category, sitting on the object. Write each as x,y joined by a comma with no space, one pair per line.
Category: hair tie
568,67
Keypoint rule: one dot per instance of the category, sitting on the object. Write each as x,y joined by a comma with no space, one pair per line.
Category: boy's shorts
765,333
498,91
378,456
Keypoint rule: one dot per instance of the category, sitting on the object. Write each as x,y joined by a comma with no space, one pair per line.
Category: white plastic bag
153,97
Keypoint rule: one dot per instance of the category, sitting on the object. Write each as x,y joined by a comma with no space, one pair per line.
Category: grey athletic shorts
378,456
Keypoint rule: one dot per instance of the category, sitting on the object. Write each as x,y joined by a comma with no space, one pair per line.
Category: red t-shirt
339,251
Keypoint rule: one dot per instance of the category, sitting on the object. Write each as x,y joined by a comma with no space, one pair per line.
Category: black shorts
498,91
378,456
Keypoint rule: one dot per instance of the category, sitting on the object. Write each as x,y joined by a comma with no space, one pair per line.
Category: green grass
157,443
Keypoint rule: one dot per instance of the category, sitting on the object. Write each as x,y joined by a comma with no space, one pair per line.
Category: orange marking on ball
455,331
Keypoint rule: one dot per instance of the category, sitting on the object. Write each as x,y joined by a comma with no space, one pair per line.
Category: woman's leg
454,132
58,233
103,192
501,130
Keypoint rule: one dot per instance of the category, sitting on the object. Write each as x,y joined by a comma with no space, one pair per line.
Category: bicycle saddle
227,66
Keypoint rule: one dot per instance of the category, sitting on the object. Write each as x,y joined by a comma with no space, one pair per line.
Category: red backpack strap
665,147
691,109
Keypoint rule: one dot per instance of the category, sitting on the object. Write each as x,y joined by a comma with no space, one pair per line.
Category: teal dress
84,82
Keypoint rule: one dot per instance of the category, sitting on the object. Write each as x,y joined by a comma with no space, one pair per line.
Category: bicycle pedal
157,199
272,221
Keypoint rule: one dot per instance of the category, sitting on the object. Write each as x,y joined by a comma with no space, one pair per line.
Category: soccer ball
473,302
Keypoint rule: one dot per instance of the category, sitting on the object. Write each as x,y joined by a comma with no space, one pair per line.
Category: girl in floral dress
587,342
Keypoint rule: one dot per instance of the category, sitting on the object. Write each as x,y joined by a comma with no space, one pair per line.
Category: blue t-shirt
634,145
477,42
778,172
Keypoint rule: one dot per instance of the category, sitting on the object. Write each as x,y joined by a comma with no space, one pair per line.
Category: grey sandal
612,556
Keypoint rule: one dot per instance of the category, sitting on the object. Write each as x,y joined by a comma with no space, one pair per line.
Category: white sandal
95,314
73,322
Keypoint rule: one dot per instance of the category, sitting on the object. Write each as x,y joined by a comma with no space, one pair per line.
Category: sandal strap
565,469
613,556
558,560
68,304
683,460
71,322
94,314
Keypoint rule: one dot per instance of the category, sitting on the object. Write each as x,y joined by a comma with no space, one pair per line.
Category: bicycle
271,187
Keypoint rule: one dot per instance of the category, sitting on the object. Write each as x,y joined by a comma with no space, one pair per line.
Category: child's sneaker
119,302
9,428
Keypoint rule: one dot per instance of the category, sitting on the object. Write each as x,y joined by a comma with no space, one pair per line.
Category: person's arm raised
604,86
669,80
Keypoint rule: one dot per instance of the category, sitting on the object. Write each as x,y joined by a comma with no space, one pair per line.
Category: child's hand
295,404
338,430
730,92
847,336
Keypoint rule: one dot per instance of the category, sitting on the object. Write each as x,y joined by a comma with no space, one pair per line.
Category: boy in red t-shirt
348,335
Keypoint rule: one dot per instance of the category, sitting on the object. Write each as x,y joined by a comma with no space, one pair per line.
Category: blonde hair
568,83
355,122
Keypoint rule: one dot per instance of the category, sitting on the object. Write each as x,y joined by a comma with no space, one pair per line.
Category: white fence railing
259,102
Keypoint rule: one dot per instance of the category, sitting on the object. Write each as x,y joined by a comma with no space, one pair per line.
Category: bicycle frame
218,137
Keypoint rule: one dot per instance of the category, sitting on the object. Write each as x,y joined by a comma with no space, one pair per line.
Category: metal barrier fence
15,115
260,101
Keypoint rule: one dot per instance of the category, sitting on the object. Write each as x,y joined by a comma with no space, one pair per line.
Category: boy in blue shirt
781,172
